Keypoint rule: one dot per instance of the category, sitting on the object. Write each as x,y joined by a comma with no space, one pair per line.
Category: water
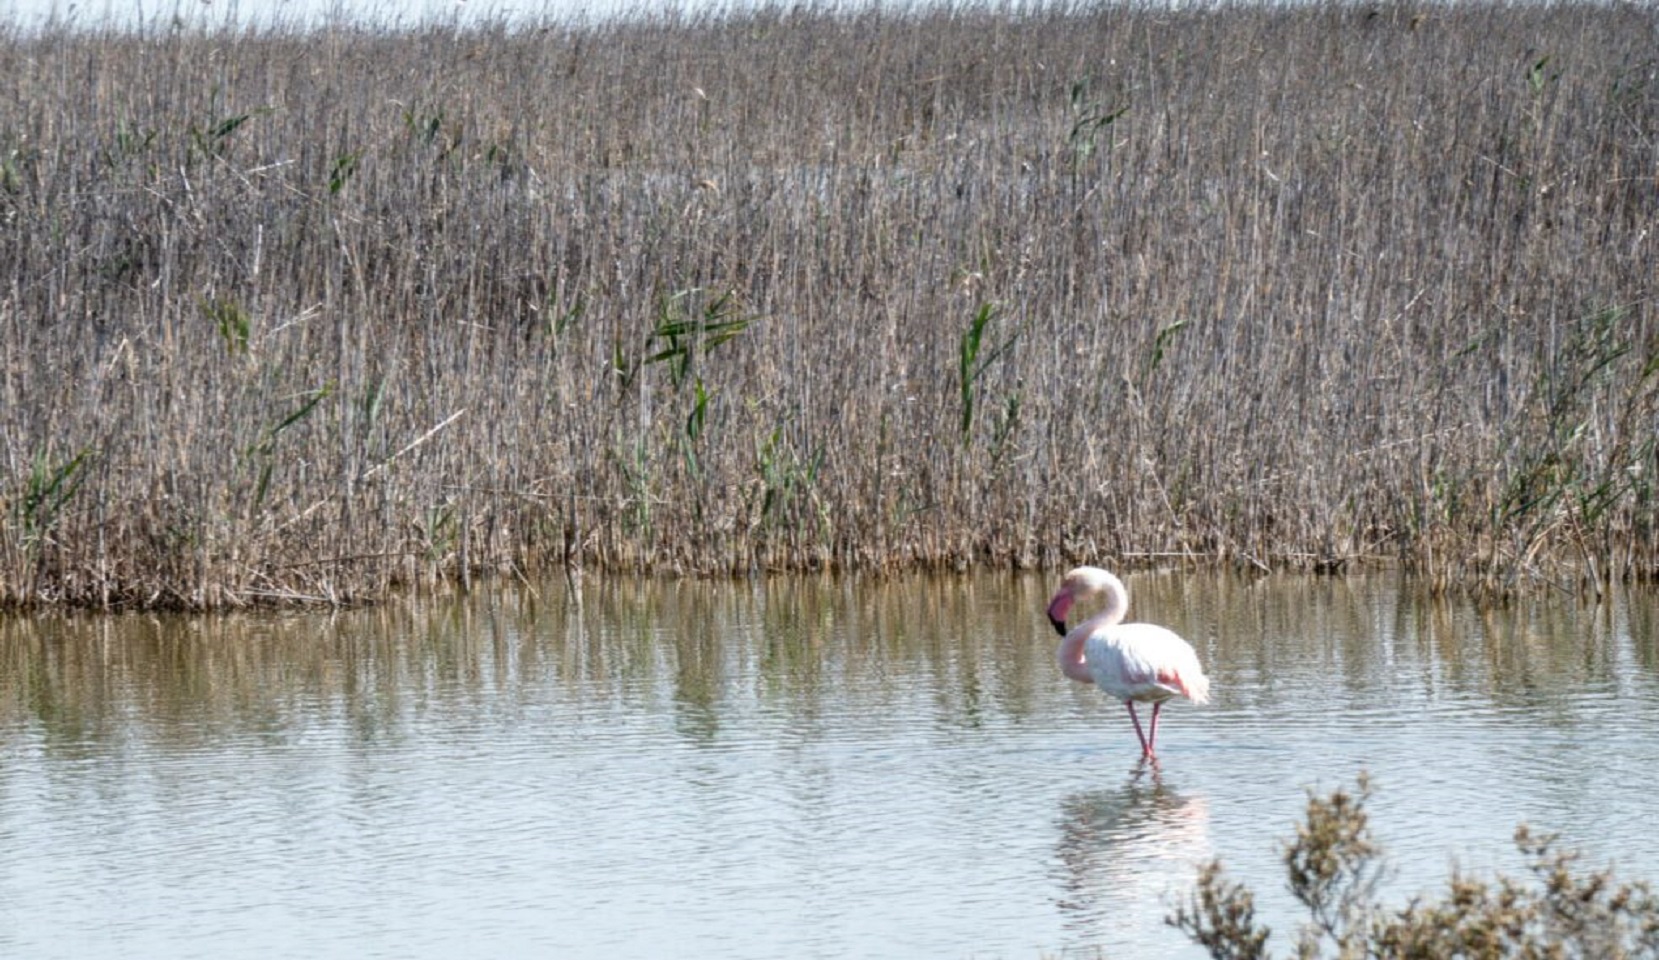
800,768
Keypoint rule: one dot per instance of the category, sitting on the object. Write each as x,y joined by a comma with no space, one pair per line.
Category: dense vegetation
321,313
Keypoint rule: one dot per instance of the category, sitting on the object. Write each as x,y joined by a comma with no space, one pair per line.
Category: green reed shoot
694,423
1162,340
11,176
129,143
423,126
261,452
971,365
344,166
1090,120
234,324
48,488
786,478
681,334
213,141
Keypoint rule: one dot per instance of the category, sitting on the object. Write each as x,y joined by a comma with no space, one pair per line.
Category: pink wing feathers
1145,662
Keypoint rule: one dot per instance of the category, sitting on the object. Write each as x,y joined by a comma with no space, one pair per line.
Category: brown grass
322,314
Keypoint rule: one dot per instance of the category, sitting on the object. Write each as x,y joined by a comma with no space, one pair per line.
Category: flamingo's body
1134,662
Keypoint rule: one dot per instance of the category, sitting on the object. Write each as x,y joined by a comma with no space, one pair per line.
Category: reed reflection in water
802,767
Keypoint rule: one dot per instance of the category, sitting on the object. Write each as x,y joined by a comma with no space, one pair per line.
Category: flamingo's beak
1057,610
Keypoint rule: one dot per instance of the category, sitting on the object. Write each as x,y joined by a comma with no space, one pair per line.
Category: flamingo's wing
1143,661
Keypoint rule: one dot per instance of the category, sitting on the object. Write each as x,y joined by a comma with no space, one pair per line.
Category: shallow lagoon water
796,767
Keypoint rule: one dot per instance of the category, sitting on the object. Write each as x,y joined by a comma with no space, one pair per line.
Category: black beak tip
1059,626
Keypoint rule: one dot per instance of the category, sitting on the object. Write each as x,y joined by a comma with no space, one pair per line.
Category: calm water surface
795,768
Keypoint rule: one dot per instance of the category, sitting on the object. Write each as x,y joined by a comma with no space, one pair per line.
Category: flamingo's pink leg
1152,739
1146,746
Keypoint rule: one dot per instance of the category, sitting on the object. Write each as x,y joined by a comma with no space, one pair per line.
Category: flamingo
1134,662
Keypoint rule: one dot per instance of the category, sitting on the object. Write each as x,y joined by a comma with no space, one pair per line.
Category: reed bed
316,314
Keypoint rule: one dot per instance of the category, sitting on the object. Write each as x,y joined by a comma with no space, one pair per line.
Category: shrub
1333,864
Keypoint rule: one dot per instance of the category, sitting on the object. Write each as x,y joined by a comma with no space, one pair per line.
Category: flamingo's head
1057,610
1081,582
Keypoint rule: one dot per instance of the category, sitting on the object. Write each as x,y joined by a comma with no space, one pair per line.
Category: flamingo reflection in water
1123,853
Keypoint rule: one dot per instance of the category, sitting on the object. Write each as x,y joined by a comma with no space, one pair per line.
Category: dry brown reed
317,314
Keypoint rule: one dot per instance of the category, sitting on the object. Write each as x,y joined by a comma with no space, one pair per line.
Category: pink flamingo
1134,662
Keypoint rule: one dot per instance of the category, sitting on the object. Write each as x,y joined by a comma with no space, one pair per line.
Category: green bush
1333,866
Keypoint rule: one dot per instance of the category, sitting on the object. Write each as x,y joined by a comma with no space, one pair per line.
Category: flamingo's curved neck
1071,654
